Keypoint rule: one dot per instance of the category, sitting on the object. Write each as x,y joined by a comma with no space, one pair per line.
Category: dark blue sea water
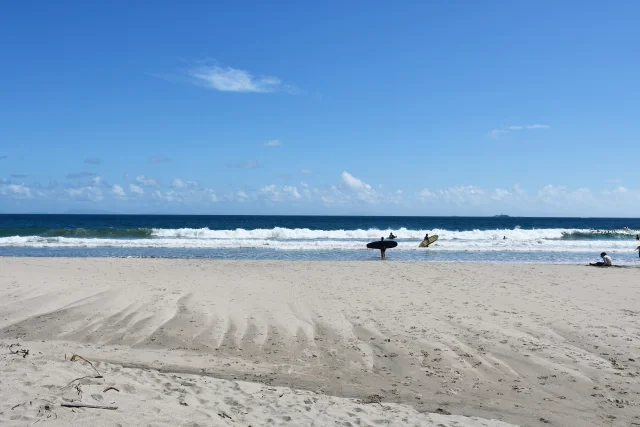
481,239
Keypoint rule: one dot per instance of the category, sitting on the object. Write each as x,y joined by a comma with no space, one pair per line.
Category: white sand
523,344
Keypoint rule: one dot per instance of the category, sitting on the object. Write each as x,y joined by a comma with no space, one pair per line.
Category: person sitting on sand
391,236
606,261
383,249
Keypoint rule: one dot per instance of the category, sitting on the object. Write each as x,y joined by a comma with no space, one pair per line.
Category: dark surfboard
382,244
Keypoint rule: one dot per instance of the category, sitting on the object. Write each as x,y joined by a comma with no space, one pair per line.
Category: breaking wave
278,238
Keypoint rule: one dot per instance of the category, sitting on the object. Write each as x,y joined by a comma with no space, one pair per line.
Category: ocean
466,239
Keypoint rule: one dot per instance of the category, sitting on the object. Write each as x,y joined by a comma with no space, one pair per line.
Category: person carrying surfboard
426,239
383,249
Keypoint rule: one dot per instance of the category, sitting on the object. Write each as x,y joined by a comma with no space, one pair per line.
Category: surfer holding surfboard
428,240
382,245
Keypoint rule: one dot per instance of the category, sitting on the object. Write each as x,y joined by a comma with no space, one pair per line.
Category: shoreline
375,259
512,342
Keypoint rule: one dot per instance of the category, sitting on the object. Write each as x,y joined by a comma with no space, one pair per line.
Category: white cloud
362,191
462,194
582,194
146,181
280,194
20,191
273,143
425,194
211,195
500,194
291,191
88,194
518,191
547,193
537,126
118,191
173,196
136,189
97,181
169,196
514,128
227,79
306,171
621,189
178,183
242,196
562,197
354,183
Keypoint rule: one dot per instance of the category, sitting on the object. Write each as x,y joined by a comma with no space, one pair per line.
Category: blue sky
419,108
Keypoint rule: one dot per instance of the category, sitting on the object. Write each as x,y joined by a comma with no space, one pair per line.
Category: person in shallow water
638,249
391,236
382,249
606,261
426,239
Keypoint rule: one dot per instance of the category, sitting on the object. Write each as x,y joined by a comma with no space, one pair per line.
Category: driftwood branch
75,357
87,376
23,351
87,405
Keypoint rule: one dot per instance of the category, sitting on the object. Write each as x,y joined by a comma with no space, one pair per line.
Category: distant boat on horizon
501,216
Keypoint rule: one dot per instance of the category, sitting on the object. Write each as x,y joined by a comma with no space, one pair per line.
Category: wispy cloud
227,79
85,194
118,191
500,194
354,183
18,191
425,194
249,164
18,175
92,161
273,143
136,189
98,181
158,159
462,194
178,183
514,128
81,175
278,194
146,181
306,171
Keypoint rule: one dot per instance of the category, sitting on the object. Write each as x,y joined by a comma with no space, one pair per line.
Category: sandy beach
187,342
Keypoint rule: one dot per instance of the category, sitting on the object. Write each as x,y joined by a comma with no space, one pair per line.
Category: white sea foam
518,240
279,233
